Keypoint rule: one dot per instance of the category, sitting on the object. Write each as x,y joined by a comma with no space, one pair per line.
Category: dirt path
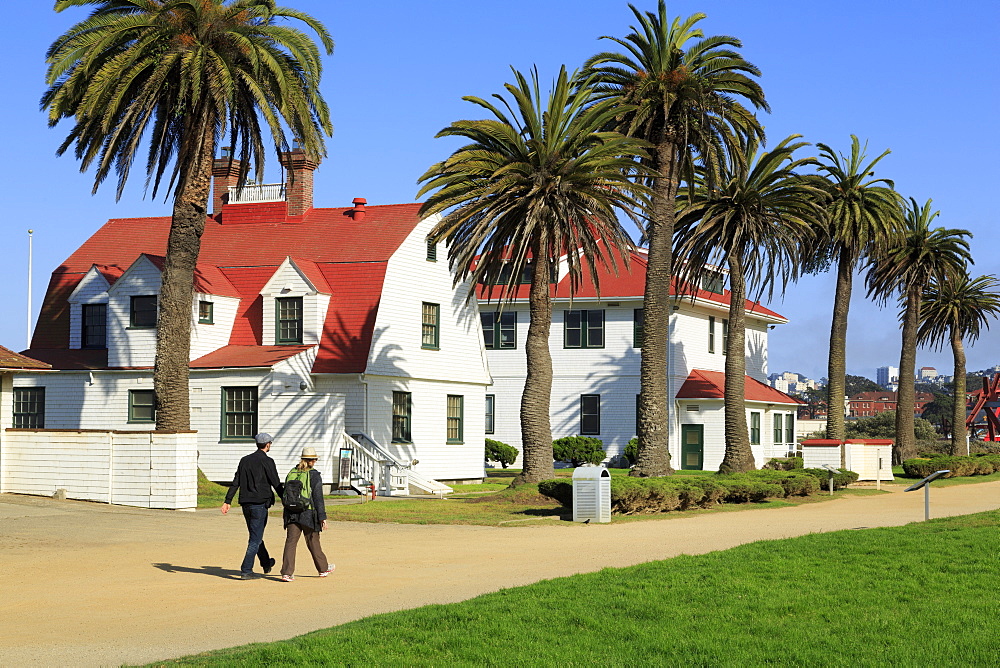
91,585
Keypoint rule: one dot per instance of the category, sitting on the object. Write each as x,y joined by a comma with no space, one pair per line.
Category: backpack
297,496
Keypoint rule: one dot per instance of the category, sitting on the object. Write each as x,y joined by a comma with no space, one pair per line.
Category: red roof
246,356
628,282
339,255
702,384
10,360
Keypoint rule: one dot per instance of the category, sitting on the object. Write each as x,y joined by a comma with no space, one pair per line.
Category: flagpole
28,336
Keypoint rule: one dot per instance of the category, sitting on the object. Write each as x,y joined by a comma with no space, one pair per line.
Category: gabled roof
629,282
703,384
348,258
11,361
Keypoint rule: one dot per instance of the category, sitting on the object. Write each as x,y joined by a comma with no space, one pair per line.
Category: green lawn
919,595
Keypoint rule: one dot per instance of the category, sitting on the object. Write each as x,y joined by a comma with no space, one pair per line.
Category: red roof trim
704,384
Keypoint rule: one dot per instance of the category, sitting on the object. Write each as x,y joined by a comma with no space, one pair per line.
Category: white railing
372,464
257,193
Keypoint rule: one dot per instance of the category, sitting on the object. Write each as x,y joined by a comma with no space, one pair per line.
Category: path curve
90,585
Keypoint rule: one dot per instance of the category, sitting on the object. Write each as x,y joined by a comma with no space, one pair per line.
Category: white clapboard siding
208,337
129,347
146,470
92,289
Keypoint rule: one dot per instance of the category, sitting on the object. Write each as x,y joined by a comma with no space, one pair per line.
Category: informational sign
346,456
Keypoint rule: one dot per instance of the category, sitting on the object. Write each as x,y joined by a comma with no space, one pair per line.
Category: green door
692,446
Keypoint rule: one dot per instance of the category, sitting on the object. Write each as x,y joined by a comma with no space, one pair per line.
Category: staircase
372,464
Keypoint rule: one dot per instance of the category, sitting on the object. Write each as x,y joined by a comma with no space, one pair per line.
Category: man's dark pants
256,516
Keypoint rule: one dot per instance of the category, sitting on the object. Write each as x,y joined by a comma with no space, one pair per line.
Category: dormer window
288,320
713,281
95,326
142,314
206,313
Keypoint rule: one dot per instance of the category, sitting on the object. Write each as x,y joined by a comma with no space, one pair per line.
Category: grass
210,494
901,596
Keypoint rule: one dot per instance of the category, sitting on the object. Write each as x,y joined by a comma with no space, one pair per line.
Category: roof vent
358,214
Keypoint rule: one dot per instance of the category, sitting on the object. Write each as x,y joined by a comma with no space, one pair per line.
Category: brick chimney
299,181
225,173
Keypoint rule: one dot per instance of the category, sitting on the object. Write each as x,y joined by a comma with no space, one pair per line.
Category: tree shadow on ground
216,571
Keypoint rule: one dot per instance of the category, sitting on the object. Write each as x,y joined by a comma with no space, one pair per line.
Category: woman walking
308,522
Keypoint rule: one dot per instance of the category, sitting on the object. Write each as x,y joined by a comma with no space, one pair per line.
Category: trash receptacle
591,494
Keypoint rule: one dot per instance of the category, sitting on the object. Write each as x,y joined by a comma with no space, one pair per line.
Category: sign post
925,483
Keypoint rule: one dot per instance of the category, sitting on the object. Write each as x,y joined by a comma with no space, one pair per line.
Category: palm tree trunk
958,431
536,429
171,369
836,386
653,456
905,439
739,456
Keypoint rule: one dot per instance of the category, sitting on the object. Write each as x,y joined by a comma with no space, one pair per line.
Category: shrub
784,463
746,490
632,450
958,466
794,483
578,450
840,480
560,490
500,452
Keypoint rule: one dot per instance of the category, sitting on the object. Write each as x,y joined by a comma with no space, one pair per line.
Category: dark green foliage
560,490
784,463
857,384
578,450
883,425
633,496
958,466
840,480
500,452
631,452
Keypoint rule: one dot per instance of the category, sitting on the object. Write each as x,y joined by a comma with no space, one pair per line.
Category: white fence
130,468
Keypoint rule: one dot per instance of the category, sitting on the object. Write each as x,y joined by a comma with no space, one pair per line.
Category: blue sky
916,77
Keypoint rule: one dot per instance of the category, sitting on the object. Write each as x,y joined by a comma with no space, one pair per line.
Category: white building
887,376
307,323
595,346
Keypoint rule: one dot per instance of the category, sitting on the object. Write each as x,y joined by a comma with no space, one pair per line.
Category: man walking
255,477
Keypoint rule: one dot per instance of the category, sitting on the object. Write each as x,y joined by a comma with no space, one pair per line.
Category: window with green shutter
755,428
711,333
638,318
778,431
491,406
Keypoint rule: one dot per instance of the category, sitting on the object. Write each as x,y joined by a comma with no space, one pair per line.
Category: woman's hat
309,453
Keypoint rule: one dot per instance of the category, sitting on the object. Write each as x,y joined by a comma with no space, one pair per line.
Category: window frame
754,427
432,252
406,422
638,326
279,302
132,419
777,428
725,336
496,329
790,428
83,326
594,414
711,334
22,419
132,312
584,327
254,413
459,420
206,319
491,414
435,326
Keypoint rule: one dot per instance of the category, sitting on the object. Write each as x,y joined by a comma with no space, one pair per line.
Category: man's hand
225,508
324,525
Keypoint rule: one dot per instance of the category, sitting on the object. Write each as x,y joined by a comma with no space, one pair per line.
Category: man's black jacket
255,476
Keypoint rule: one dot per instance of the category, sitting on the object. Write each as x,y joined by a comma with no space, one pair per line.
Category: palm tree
951,311
754,219
181,75
539,180
682,93
863,214
924,254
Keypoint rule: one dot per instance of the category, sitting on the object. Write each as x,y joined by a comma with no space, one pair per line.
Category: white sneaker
329,570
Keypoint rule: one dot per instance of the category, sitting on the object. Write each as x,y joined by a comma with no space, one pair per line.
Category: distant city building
791,382
886,376
867,404
927,374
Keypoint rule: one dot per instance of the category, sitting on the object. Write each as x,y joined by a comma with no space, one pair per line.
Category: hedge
958,466
497,451
578,450
630,496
